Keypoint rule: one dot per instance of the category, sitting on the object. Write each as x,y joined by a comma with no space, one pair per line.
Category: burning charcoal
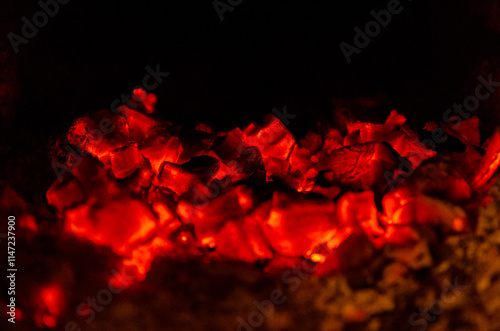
118,224
205,195
405,142
404,207
180,179
273,140
296,225
330,192
439,178
194,143
394,121
147,101
355,251
256,238
142,256
400,234
489,164
303,182
313,142
359,167
67,194
467,161
161,148
333,140
431,126
242,166
276,167
173,177
358,210
359,133
302,169
126,160
249,163
51,304
410,147
392,203
443,138
239,160
204,128
139,124
140,182
230,146
467,131
242,242
208,209
99,133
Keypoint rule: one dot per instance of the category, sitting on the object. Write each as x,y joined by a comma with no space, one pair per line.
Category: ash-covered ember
148,188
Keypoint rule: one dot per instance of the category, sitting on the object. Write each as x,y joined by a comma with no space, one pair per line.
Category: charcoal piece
161,148
296,225
66,194
126,160
360,167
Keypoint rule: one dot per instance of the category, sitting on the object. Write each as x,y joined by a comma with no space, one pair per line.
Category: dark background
230,73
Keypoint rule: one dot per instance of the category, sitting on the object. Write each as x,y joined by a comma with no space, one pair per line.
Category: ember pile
147,188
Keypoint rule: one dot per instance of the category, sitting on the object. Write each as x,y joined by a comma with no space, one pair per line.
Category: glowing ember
155,192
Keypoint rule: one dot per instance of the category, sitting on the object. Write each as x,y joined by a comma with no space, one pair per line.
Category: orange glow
459,224
209,241
164,214
19,314
133,222
53,298
158,190
274,220
49,321
184,210
145,228
28,222
489,164
340,237
320,258
244,201
140,94
51,303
